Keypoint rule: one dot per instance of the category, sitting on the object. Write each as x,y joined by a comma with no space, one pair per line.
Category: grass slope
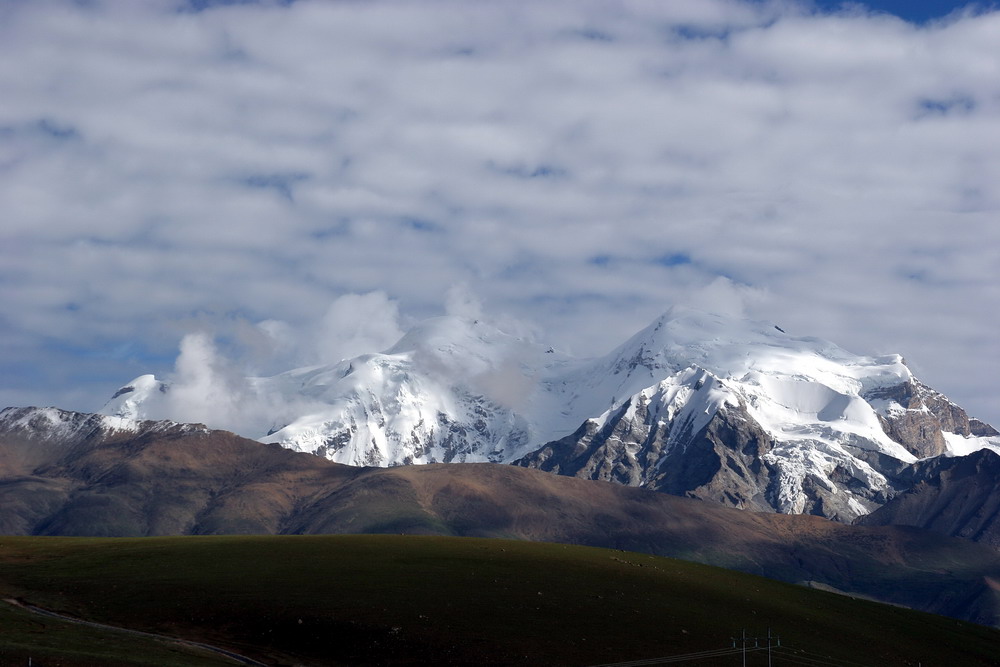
358,600
49,642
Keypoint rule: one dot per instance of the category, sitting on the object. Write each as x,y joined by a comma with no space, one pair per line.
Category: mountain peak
733,347
136,399
822,422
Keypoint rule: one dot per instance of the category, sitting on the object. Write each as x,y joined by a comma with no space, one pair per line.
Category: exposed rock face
630,445
916,416
732,460
957,496
724,462
678,437
67,429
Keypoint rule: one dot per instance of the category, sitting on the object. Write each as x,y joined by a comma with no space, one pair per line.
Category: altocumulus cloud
260,176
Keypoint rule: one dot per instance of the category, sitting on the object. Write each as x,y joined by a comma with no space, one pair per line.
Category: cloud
204,388
357,324
461,302
578,166
725,297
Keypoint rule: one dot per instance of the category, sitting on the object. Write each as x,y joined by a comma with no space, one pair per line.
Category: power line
744,645
699,655
803,657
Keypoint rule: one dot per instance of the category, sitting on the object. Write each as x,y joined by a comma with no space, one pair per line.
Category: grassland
52,643
360,600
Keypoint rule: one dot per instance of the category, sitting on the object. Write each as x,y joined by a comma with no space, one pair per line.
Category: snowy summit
822,430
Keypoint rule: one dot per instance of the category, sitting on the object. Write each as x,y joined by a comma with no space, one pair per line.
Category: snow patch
963,445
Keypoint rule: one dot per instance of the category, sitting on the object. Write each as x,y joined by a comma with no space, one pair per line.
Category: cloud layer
302,181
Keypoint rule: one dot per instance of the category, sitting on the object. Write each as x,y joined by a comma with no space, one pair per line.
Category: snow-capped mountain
752,417
71,428
449,390
695,404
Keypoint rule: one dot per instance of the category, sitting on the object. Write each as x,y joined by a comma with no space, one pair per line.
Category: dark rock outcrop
726,461
957,496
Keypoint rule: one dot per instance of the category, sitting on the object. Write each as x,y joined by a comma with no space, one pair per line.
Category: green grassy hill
360,600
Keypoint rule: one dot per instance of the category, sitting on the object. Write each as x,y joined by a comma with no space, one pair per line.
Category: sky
276,184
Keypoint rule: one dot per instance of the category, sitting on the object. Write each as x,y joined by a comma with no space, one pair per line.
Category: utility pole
773,641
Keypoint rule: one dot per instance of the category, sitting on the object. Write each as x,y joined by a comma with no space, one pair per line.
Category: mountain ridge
163,480
829,431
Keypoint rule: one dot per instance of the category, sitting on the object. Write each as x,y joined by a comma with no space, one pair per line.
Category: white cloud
203,389
579,166
461,302
357,324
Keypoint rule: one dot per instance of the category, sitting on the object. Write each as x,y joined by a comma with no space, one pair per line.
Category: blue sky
917,11
273,173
